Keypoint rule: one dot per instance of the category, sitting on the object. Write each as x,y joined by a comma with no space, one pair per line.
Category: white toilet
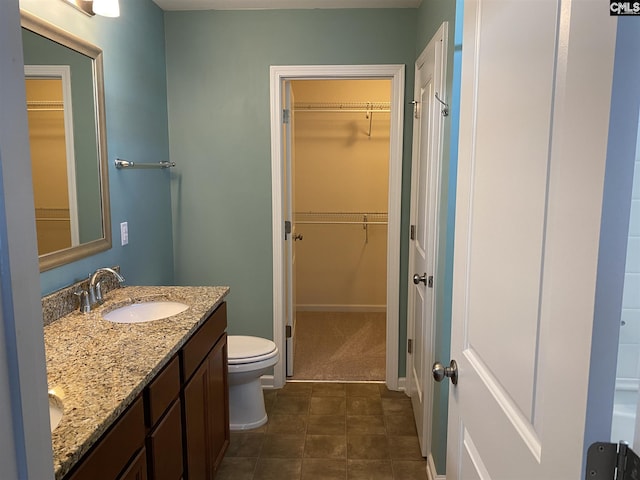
249,359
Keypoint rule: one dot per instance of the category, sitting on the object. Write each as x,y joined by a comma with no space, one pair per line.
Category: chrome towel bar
127,164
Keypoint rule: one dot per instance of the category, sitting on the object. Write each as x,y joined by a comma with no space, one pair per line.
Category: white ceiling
281,4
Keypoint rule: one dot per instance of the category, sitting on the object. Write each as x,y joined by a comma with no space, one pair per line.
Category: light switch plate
124,233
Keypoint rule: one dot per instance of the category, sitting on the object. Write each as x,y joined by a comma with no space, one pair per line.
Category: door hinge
409,346
611,461
416,108
287,228
288,331
286,115
430,281
412,233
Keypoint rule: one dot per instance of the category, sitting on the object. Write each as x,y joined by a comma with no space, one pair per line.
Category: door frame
396,74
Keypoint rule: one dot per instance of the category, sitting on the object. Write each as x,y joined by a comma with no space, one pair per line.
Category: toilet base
238,427
246,405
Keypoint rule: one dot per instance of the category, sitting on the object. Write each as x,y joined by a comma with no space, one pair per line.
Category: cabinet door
138,468
206,406
196,417
165,446
219,402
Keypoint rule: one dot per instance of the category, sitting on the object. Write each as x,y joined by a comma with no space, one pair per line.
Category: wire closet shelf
45,106
342,218
355,107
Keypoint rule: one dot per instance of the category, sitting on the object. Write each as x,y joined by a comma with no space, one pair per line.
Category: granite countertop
99,367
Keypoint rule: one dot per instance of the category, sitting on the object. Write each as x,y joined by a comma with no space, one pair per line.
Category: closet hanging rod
362,219
45,214
45,109
127,164
340,214
343,107
45,106
341,110
47,219
340,218
362,222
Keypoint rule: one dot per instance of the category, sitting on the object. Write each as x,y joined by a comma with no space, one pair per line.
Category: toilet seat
244,349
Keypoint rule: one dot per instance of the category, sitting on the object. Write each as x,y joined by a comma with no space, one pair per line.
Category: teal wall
136,112
431,14
218,89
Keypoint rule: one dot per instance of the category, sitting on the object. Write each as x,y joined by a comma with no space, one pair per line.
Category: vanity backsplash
64,301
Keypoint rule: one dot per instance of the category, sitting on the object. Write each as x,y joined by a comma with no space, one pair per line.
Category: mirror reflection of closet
50,118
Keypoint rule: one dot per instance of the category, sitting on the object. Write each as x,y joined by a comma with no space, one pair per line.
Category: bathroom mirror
67,135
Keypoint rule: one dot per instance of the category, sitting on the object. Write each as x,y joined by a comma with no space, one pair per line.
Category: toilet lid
244,349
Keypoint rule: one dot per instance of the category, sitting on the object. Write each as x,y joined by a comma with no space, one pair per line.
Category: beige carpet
340,346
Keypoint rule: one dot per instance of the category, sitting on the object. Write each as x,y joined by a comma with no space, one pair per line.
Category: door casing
396,74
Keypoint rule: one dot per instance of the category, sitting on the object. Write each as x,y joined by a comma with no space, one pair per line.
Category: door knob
440,372
297,236
420,278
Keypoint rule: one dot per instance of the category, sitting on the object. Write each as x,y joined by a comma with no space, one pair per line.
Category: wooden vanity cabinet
118,449
206,397
178,428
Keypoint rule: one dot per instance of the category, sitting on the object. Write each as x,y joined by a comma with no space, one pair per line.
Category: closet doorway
340,184
337,170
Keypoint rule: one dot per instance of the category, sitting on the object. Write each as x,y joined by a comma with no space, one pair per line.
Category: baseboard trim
340,308
267,382
431,470
402,384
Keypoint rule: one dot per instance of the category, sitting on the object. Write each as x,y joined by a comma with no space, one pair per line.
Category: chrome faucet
95,288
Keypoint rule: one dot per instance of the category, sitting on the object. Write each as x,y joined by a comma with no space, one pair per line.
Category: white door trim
396,74
63,73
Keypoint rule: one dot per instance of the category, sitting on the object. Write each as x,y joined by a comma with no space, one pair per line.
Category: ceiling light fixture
105,8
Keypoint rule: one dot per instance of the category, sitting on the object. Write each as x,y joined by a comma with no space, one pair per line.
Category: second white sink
145,312
56,410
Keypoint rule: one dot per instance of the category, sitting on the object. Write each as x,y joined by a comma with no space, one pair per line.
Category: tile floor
329,431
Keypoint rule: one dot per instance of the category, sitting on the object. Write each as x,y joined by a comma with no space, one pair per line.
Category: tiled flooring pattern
326,431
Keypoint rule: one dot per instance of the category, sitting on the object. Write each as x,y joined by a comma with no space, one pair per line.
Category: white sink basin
145,312
56,410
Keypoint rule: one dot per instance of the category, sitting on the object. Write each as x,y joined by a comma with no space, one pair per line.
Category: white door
533,134
290,239
425,174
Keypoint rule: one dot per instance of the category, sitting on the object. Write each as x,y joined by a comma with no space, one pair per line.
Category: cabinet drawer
162,391
116,448
197,348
